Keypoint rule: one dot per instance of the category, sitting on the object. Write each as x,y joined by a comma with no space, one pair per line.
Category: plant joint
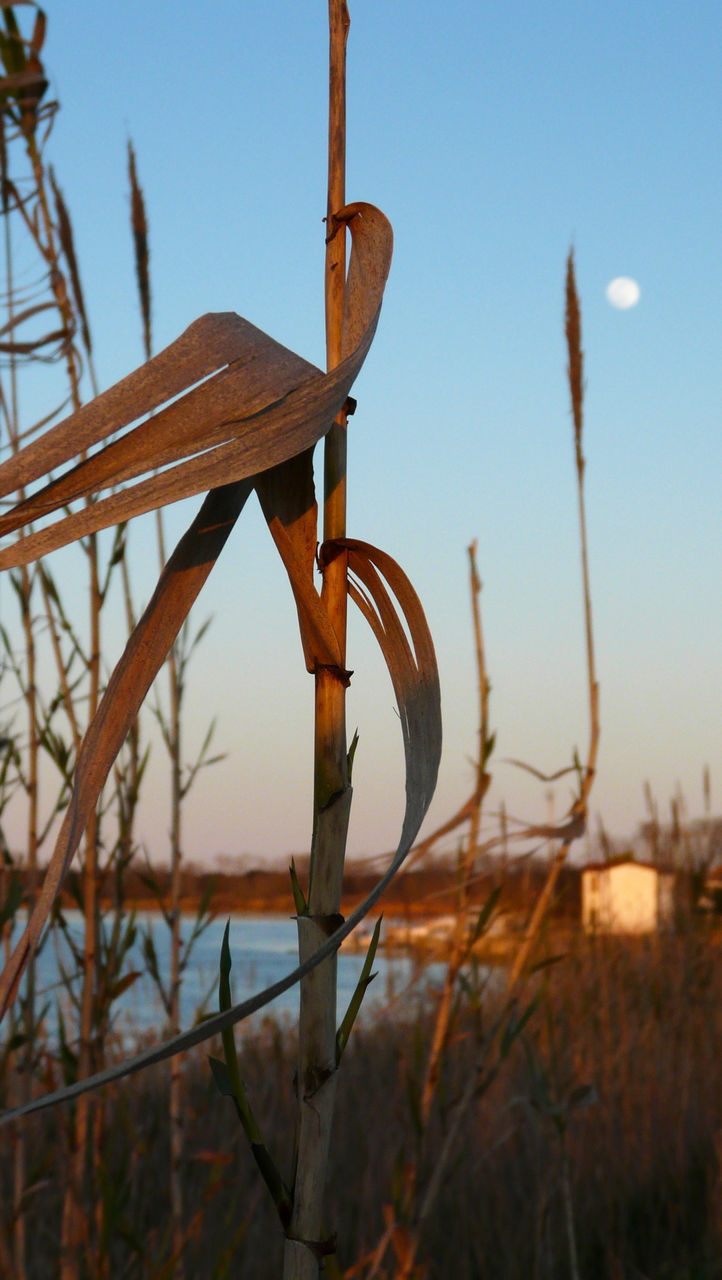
335,221
319,1248
341,673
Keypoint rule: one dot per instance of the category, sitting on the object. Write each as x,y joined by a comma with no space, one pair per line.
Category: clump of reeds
47,327
229,451
637,1023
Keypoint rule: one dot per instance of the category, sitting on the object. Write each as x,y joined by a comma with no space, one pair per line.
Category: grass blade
366,977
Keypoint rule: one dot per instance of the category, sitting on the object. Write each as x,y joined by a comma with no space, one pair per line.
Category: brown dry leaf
413,671
285,405
288,501
262,405
27,314
287,494
412,666
145,653
26,348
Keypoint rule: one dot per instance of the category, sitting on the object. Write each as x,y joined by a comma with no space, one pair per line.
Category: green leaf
228,1081
204,904
485,914
365,978
351,754
221,1077
13,900
298,897
225,1001
224,988
150,955
466,987
515,1026
68,1059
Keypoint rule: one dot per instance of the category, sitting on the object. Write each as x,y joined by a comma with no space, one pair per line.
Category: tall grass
231,435
635,1028
306,1240
440,1092
47,326
169,716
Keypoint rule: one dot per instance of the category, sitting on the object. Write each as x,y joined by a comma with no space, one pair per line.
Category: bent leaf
145,653
265,407
415,677
259,405
413,672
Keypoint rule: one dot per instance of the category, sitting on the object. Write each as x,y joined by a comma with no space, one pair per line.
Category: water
263,950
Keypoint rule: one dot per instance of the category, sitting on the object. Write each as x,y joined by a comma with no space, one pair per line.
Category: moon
623,292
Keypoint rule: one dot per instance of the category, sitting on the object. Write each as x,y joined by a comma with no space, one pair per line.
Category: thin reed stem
30,695
173,742
578,812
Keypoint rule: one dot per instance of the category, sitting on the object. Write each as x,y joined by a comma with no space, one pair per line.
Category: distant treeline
423,891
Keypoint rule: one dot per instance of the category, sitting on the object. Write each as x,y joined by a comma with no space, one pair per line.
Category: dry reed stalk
306,1245
460,942
88,1135
175,1101
86,1140
299,402
50,239
252,423
172,738
23,88
44,235
577,816
419,1211
470,811
26,586
406,1240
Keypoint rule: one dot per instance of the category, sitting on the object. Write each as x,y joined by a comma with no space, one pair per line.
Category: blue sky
494,137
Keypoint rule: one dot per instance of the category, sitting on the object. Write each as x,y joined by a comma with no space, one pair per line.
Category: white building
625,896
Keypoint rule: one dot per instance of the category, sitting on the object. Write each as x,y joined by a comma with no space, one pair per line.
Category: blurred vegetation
626,1044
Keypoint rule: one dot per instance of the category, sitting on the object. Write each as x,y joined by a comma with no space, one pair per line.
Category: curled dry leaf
258,406
412,665
145,653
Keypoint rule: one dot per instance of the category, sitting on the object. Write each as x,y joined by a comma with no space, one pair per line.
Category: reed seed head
575,368
67,242
139,226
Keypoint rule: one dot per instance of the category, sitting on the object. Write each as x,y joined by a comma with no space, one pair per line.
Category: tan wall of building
626,897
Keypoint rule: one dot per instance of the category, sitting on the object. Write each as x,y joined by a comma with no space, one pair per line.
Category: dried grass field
613,1089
